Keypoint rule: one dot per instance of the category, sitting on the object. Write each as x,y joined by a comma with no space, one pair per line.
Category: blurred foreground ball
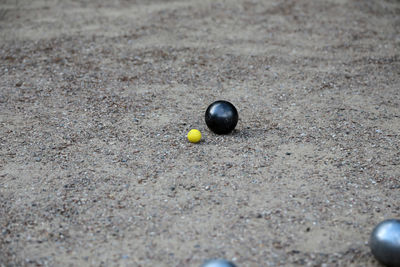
218,263
385,242
221,117
194,136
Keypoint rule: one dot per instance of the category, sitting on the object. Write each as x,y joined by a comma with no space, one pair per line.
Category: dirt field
96,99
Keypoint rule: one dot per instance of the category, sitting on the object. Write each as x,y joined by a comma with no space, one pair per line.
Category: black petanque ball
385,242
221,117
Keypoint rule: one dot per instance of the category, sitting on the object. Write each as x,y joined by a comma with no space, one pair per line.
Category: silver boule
218,263
385,242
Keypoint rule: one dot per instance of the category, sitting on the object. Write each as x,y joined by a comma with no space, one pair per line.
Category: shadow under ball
385,242
221,117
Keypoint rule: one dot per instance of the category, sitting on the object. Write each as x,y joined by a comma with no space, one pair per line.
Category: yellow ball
194,136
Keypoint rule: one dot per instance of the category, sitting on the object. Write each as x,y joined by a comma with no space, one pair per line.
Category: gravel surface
96,99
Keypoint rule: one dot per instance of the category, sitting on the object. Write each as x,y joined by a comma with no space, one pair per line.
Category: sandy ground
96,99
